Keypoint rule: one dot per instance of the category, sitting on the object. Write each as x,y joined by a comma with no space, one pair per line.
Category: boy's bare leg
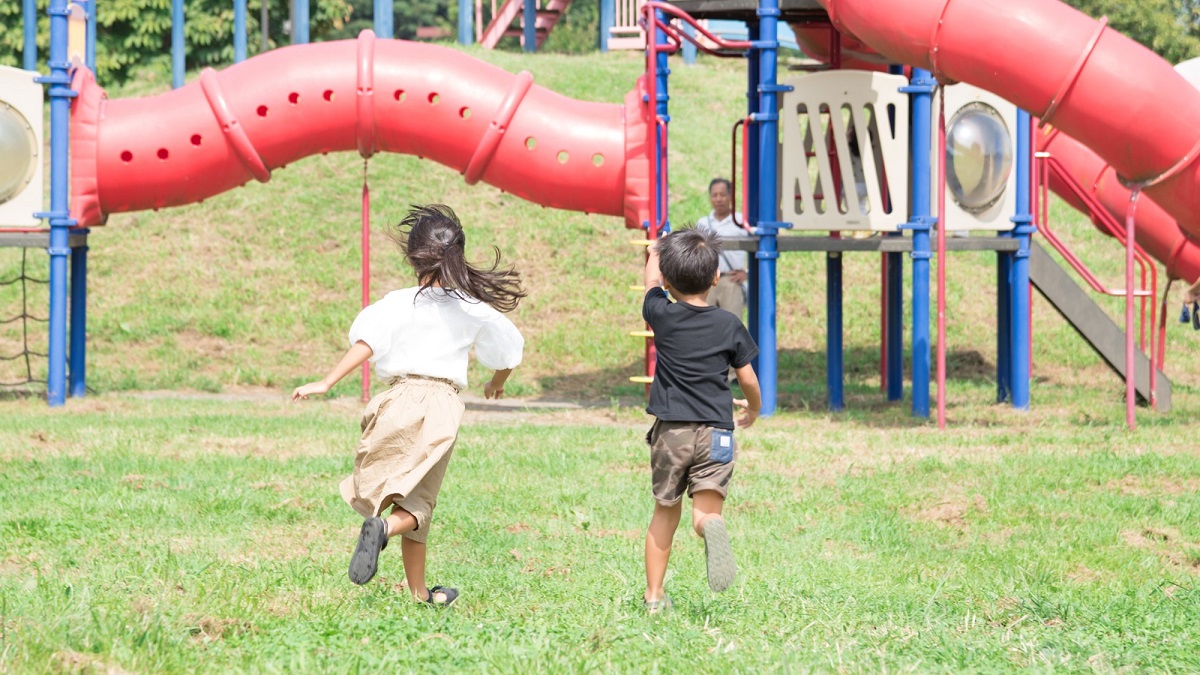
705,504
708,523
658,547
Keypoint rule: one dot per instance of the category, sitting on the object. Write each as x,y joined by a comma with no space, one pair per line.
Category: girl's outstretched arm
495,387
354,358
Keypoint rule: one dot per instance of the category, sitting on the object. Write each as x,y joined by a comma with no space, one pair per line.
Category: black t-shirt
696,347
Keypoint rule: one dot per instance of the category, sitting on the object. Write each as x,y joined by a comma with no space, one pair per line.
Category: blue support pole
30,18
1019,290
921,87
768,204
608,19
662,97
384,11
78,356
177,62
895,326
834,370
1004,372
239,31
61,94
751,180
529,17
689,49
300,16
90,56
466,22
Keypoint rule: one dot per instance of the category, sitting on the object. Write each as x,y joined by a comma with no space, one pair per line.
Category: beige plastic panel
826,119
21,143
998,216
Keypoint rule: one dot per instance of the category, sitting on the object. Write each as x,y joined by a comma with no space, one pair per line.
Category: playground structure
228,128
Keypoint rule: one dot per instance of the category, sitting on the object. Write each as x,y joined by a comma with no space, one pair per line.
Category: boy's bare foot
718,554
372,539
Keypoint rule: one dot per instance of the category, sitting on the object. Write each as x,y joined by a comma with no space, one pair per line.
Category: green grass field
185,517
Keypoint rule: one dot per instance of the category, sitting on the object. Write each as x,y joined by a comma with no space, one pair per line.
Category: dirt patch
1083,574
1168,545
1138,486
75,662
953,512
208,628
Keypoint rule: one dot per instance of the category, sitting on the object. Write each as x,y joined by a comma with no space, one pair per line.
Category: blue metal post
30,18
895,326
177,62
1019,290
608,19
384,10
834,371
78,356
689,49
751,179
59,214
466,22
239,31
662,97
530,18
768,203
921,87
300,16
90,57
1004,260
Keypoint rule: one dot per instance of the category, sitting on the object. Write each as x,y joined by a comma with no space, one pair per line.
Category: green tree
1169,27
133,35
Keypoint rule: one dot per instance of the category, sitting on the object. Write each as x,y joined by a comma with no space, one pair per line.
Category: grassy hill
256,287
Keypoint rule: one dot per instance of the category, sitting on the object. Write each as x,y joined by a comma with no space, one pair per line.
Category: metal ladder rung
642,334
642,379
640,242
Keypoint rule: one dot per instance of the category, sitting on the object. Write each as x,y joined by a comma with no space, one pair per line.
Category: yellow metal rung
641,379
642,333
639,242
638,287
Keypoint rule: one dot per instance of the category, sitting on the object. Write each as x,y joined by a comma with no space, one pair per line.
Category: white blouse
431,334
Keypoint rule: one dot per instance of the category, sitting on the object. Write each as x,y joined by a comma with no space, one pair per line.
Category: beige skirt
408,435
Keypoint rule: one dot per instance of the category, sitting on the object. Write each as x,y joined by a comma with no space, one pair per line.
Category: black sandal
372,539
451,595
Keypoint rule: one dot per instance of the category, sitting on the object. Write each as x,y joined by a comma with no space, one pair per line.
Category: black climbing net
23,335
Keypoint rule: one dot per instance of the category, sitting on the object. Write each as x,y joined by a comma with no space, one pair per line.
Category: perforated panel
845,151
20,148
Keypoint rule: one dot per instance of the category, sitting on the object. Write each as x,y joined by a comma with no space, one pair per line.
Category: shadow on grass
801,384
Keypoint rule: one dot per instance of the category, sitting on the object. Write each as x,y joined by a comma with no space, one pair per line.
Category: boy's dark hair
434,243
720,181
688,260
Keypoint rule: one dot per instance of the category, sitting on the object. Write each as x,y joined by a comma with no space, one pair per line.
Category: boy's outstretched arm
354,358
753,401
653,277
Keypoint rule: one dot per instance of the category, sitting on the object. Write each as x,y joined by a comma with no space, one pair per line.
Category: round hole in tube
196,139
563,156
163,154
531,142
597,159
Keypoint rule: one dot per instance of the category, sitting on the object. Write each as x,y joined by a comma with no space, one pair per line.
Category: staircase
1093,324
502,25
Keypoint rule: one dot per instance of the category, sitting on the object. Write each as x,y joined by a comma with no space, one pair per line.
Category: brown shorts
680,458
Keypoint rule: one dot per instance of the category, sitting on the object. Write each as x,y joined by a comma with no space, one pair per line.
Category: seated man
729,293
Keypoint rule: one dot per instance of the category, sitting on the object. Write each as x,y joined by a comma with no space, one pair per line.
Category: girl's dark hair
434,243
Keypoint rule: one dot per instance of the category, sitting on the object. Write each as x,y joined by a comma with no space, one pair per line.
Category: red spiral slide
1126,111
367,95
